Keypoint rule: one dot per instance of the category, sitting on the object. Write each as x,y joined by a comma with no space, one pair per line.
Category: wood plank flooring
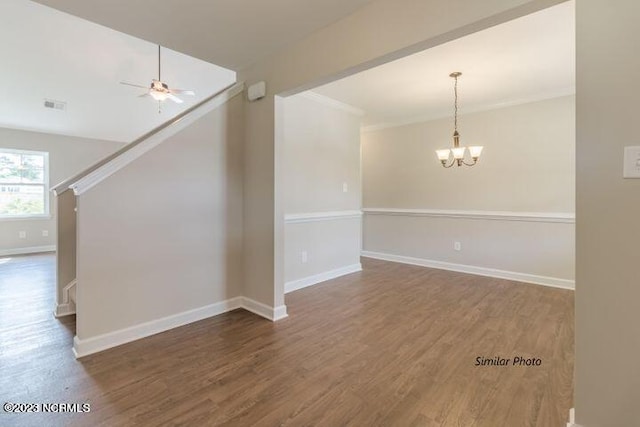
394,345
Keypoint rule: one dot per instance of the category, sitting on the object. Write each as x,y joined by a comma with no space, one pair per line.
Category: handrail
64,185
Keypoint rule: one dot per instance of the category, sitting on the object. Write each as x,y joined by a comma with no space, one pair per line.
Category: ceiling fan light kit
159,90
458,152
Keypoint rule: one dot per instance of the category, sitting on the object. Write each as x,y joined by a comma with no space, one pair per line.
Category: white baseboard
68,304
64,309
98,343
470,269
263,310
29,250
572,418
294,285
92,345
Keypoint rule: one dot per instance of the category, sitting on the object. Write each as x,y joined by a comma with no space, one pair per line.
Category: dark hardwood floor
395,345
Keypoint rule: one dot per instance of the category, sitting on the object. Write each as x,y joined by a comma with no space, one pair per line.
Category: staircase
67,191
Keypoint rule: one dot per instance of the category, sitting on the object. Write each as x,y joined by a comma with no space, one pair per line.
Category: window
24,178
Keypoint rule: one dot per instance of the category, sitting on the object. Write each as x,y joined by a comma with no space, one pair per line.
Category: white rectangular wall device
257,91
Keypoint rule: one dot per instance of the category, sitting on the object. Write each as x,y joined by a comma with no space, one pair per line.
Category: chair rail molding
549,217
321,216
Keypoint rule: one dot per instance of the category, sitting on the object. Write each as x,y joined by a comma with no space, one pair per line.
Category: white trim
572,418
45,185
34,217
102,342
108,169
68,304
263,310
553,217
28,250
331,103
471,269
567,91
294,285
62,310
320,216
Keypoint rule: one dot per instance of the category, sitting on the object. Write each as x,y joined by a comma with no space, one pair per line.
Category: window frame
47,207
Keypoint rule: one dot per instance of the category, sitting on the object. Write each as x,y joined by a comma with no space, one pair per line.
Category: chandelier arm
470,164
444,163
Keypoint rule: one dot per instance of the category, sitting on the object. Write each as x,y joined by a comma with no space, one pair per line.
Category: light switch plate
631,162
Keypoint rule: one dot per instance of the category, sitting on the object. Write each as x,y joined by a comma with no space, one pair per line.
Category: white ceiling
231,33
50,54
527,59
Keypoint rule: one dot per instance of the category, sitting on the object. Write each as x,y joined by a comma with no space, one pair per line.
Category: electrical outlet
45,233
457,246
345,187
304,257
22,234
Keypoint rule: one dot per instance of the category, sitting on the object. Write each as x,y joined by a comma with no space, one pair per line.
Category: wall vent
56,105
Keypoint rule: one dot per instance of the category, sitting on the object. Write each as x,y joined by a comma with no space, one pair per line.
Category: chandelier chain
455,108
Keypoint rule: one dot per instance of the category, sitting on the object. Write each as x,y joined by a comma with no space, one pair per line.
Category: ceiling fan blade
174,98
144,95
134,85
183,92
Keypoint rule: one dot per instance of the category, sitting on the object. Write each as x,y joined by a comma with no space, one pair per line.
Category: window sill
26,218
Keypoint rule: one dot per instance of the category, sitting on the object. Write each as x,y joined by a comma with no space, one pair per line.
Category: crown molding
567,91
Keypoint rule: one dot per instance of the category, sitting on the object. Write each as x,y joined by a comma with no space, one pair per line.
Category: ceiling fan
159,90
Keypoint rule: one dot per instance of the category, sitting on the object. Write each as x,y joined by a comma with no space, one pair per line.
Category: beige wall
331,245
167,227
377,33
528,162
321,153
67,156
607,372
535,251
528,166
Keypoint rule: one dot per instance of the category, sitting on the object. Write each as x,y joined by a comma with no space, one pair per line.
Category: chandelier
457,152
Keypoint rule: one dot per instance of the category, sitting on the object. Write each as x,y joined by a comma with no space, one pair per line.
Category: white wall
161,239
607,372
527,167
321,154
67,156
